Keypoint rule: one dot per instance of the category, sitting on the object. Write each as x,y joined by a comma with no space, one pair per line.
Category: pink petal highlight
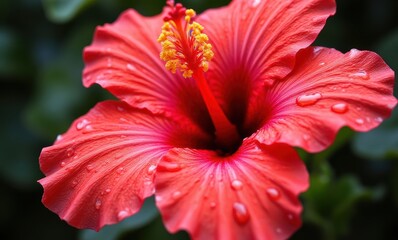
326,91
251,194
104,166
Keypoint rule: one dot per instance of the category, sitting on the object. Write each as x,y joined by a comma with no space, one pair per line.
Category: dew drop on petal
308,100
213,204
98,204
378,119
89,167
339,108
256,3
361,74
108,190
322,63
88,129
176,195
120,170
359,121
240,213
62,164
59,138
131,67
80,125
151,169
171,167
236,184
70,152
273,193
122,215
353,52
278,230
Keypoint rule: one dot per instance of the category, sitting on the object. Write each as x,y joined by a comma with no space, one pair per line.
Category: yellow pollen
184,45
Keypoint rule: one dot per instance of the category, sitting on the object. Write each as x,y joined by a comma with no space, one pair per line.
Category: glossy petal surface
325,91
102,168
124,59
252,194
255,43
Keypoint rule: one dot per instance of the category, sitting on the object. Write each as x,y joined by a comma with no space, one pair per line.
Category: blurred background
354,184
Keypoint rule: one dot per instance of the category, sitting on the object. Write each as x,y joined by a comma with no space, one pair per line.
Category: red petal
124,58
325,91
251,194
100,171
255,42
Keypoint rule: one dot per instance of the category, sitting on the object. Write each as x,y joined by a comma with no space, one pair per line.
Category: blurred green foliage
354,184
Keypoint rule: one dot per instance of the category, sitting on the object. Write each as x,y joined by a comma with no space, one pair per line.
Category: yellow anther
184,46
190,13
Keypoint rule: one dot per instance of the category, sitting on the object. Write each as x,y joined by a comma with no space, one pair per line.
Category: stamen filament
227,136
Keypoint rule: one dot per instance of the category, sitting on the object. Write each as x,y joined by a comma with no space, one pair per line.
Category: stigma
184,45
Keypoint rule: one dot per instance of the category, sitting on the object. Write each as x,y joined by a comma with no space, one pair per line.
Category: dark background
354,184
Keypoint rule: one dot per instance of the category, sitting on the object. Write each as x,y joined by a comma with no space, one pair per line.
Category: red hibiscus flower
209,126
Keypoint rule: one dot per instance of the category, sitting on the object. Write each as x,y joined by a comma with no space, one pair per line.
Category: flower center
186,48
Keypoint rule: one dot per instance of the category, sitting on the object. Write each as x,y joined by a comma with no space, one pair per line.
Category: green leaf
330,203
147,213
64,10
381,142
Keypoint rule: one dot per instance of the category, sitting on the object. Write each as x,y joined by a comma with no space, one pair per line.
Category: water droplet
122,215
322,63
353,52
236,184
378,119
240,213
307,100
316,50
176,195
359,121
290,216
120,170
256,3
123,120
62,164
88,129
171,167
213,204
273,193
362,74
158,198
391,105
82,124
98,204
120,109
278,230
151,169
339,108
131,67
109,62
59,138
70,152
89,167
